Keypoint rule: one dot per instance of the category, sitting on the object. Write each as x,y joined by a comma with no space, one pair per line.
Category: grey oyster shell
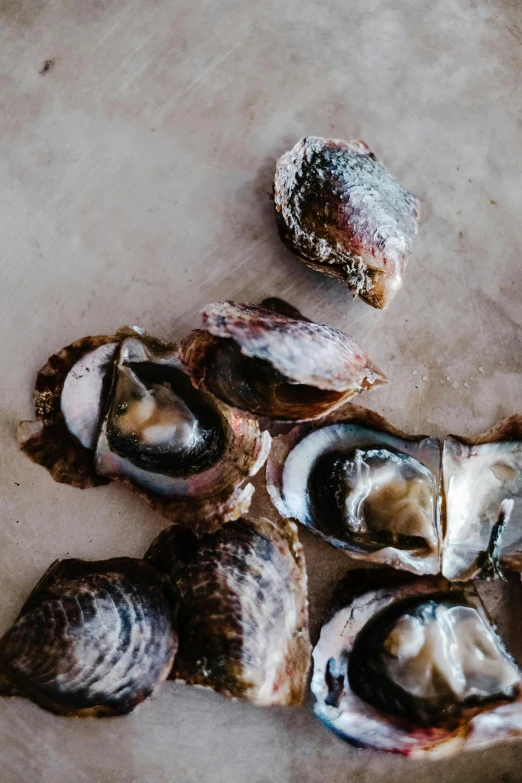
343,214
242,609
93,638
415,667
122,407
271,361
363,486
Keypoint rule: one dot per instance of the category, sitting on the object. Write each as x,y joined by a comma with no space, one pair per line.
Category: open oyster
273,362
414,666
243,609
93,638
122,407
483,489
342,213
363,486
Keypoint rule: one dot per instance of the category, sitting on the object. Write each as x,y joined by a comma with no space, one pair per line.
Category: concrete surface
135,178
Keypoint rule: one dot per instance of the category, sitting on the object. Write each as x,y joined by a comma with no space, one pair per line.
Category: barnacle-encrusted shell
363,486
243,609
122,407
342,212
414,666
93,638
480,474
270,360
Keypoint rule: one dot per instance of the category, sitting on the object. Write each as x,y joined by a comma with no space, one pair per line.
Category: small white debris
455,385
414,372
466,385
424,377
448,378
481,369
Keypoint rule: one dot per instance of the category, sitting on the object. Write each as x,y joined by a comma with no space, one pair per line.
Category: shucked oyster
122,407
243,609
414,667
483,488
342,212
362,486
93,638
273,362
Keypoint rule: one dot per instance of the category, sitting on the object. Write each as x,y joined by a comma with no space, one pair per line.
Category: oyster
243,609
342,213
414,666
363,486
93,638
122,407
273,362
483,489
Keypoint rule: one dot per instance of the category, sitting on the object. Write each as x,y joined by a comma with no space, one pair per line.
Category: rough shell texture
359,598
243,609
368,428
93,638
479,473
302,352
202,501
341,211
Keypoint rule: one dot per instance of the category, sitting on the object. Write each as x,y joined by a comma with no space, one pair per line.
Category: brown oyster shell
358,598
206,499
307,369
242,609
422,448
93,638
340,210
475,533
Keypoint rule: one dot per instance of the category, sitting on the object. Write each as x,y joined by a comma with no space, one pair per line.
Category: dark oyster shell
93,638
343,214
363,486
243,609
414,666
270,360
122,407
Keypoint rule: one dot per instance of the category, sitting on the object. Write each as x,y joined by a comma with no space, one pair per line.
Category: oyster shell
343,214
414,666
482,482
363,486
243,609
270,360
93,638
122,407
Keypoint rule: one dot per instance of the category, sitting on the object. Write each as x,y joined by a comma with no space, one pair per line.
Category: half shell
343,214
414,666
270,360
363,486
122,407
243,609
93,638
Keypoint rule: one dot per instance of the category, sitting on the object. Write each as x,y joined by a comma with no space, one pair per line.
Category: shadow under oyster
122,407
242,609
414,666
93,638
340,210
272,361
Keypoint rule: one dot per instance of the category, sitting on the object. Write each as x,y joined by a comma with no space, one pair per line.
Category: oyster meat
340,210
414,666
483,484
242,609
93,638
362,486
273,362
122,407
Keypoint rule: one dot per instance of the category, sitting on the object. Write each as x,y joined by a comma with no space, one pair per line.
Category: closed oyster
342,213
273,362
242,609
93,638
122,407
414,666
483,489
363,486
